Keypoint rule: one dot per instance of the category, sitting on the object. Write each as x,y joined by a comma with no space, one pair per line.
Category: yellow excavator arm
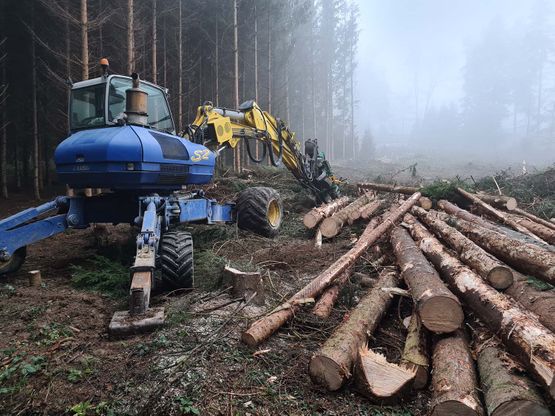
219,128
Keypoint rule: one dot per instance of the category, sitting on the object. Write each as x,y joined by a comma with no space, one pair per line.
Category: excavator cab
101,102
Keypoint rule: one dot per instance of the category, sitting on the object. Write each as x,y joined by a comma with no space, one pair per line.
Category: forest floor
56,356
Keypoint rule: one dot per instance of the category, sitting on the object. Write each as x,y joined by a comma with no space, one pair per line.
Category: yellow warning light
104,62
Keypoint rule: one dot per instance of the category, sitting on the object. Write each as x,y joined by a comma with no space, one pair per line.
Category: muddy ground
57,357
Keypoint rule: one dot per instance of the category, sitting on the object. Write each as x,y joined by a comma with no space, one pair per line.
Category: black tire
259,209
176,260
14,263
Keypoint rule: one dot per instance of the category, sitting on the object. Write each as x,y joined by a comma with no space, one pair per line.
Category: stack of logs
450,261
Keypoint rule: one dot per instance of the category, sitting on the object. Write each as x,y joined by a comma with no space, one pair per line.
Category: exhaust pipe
136,103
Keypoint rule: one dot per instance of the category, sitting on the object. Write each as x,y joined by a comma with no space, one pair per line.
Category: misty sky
404,43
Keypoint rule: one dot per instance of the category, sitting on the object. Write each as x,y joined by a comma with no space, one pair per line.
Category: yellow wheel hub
274,213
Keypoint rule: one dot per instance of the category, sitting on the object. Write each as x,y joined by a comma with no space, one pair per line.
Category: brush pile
481,334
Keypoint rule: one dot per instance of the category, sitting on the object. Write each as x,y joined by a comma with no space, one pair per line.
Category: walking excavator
123,140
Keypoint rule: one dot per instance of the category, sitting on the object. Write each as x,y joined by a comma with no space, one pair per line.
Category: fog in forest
468,79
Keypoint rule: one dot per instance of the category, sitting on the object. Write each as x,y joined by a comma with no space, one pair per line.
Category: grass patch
102,275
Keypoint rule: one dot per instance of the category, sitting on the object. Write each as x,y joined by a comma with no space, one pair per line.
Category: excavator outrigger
122,140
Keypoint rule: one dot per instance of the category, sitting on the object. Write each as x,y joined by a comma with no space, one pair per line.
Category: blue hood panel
132,158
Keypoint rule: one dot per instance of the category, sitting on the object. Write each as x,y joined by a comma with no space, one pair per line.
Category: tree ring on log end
324,371
441,314
500,277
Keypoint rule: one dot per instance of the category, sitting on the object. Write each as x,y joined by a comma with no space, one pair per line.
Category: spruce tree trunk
237,149
84,41
130,37
154,63
36,144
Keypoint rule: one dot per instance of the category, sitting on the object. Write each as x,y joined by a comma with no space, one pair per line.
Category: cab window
159,117
87,107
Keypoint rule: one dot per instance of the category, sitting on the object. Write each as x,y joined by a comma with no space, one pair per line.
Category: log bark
492,270
507,392
526,258
415,352
465,215
540,302
519,329
377,378
367,209
383,187
266,326
439,309
534,218
324,306
331,226
332,364
455,388
371,209
499,201
498,215
316,215
547,234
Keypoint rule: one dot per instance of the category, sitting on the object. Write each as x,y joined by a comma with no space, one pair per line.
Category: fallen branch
324,306
264,327
383,187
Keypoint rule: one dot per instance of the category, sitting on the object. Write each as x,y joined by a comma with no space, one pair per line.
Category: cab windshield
87,107
159,117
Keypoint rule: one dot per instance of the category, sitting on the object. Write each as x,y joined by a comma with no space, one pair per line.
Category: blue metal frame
154,214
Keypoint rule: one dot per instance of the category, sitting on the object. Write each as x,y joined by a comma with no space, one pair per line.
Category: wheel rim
274,213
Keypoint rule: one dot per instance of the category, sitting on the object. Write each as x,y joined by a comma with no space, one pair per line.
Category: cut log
332,364
526,258
316,215
465,215
266,326
425,202
371,208
496,273
499,201
546,223
415,353
498,215
455,388
439,309
541,302
377,378
384,187
331,226
324,306
519,329
547,234
246,284
507,392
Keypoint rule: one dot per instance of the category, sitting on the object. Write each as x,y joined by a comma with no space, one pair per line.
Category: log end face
310,220
249,339
325,372
511,204
520,408
441,314
500,277
329,227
